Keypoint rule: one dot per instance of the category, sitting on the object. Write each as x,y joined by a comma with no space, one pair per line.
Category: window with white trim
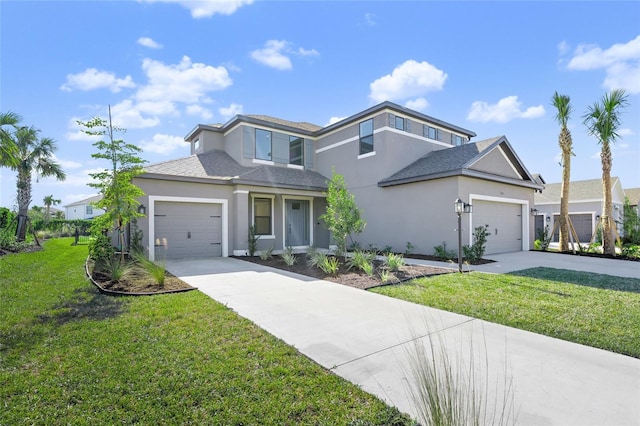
366,136
88,210
262,216
457,140
296,150
431,133
263,144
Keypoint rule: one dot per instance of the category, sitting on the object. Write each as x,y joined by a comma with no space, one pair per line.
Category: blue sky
165,66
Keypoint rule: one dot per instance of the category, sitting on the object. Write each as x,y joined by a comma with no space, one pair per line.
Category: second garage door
505,225
187,230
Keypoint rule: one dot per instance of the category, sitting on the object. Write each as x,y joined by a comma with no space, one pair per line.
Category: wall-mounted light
534,211
597,217
142,209
548,218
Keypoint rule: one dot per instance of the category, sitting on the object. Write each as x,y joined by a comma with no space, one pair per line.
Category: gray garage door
581,223
187,230
505,225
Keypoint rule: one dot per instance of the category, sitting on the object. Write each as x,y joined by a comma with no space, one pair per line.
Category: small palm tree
563,106
49,201
603,120
32,154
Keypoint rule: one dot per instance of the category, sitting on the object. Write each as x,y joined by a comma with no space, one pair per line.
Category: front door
297,223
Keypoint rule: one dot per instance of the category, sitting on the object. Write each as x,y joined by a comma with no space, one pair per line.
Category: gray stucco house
586,202
404,168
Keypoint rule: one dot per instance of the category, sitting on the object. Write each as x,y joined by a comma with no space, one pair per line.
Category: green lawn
69,355
592,309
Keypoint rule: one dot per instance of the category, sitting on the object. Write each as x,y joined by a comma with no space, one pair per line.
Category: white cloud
625,132
128,115
271,55
334,120
621,63
563,47
505,110
310,52
163,144
207,8
149,42
231,111
91,79
199,110
369,19
409,79
418,104
184,82
66,164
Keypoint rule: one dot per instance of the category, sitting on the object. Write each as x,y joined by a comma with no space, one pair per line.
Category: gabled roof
313,130
86,201
219,166
579,190
633,194
457,161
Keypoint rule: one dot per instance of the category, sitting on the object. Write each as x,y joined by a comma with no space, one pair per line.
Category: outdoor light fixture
142,209
460,207
534,211
548,218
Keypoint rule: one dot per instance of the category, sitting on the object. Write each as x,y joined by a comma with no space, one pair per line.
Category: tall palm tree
603,120
33,154
49,201
564,109
8,125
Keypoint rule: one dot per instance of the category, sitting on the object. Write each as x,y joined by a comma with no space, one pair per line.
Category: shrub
315,258
266,254
288,257
330,265
115,268
360,259
631,251
367,268
252,240
100,249
394,261
387,249
156,270
543,238
475,252
384,275
409,249
537,245
443,253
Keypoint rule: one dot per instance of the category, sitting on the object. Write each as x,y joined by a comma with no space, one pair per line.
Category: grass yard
69,355
591,309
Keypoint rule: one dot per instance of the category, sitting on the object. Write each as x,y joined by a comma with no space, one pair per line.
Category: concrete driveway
368,339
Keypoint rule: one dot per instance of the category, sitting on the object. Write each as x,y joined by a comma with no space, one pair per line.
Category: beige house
404,168
585,206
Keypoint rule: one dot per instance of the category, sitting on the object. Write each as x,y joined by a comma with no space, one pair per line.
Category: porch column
241,222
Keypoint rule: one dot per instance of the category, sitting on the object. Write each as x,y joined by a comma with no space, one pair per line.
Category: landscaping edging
125,293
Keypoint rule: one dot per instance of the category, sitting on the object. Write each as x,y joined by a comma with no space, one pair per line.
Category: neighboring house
54,212
83,209
586,200
405,169
633,194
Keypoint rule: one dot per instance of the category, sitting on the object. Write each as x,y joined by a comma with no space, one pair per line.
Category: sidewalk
367,338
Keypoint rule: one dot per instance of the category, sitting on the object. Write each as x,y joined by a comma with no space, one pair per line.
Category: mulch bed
351,278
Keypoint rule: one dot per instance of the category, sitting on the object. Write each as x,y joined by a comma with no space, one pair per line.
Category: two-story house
405,169
83,209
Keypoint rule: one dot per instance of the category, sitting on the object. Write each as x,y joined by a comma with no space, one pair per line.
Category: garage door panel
582,223
504,222
188,230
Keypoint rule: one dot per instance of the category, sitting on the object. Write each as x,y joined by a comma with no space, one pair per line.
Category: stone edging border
124,293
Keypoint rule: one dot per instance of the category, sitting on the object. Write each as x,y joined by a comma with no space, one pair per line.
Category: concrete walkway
368,339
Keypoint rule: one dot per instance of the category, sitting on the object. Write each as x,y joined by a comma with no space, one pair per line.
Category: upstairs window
296,150
366,137
263,144
400,125
457,140
431,133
